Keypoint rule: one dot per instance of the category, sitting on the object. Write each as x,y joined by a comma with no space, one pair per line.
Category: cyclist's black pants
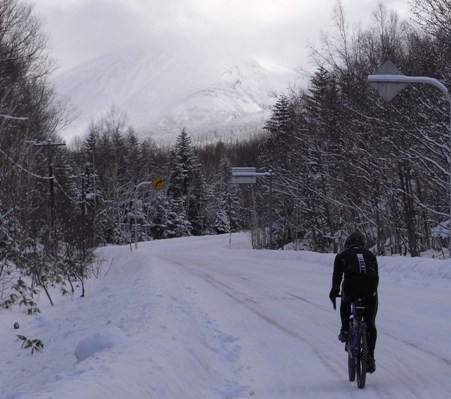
370,293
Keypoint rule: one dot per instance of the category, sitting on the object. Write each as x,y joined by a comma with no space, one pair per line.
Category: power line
23,169
16,118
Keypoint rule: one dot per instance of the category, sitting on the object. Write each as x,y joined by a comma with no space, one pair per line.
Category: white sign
244,175
388,90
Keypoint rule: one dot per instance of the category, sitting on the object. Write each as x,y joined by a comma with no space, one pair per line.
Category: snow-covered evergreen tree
225,199
187,184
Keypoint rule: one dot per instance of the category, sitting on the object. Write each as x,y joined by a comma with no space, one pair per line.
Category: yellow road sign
158,183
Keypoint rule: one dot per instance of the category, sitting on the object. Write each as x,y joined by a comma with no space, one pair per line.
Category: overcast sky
279,31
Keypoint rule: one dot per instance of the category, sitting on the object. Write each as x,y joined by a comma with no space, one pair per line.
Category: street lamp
389,84
248,175
144,183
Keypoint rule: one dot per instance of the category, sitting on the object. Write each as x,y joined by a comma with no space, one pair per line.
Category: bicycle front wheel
351,365
351,354
362,357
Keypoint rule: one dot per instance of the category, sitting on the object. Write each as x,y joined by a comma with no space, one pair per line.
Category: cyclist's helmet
355,239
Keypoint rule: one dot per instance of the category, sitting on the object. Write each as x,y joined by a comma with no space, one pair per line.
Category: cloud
81,30
279,30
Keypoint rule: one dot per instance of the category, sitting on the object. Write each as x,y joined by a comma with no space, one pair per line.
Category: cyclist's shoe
371,365
344,335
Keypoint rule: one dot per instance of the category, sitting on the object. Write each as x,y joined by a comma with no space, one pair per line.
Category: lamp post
144,183
248,175
389,84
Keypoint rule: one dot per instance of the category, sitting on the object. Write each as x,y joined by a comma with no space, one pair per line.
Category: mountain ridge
163,90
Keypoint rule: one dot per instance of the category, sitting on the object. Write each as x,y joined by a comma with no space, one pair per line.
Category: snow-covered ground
195,318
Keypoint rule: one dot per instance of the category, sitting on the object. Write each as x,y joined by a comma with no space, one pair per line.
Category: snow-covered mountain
164,89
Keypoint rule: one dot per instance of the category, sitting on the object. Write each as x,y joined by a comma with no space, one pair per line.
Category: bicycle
357,344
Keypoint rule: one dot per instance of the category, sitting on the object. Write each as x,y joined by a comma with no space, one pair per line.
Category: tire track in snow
250,303
415,346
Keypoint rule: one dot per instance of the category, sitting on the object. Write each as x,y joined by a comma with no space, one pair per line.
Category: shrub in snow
105,339
36,345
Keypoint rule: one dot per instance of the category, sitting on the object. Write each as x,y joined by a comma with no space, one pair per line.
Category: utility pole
248,175
50,146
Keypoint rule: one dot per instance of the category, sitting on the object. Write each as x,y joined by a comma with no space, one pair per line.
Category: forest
342,159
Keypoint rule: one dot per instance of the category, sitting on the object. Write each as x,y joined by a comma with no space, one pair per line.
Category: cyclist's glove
333,297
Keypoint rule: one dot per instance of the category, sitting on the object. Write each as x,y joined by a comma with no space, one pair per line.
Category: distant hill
162,90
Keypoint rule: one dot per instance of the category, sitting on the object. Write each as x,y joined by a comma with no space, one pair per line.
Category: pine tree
187,182
226,203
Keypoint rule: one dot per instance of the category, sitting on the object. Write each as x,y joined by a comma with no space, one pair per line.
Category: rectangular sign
244,175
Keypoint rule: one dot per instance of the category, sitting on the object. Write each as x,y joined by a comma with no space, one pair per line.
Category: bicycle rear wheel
362,357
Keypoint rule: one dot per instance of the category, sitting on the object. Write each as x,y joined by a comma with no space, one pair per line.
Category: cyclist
357,268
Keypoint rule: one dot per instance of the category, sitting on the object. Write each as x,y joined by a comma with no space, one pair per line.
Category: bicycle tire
351,357
351,367
362,357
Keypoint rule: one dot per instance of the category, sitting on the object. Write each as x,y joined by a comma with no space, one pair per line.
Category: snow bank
105,339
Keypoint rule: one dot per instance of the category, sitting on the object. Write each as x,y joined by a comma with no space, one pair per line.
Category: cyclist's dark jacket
359,268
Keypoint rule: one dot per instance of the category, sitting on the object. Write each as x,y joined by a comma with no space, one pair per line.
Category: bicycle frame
357,313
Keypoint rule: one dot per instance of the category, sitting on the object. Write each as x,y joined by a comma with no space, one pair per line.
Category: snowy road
279,313
202,320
